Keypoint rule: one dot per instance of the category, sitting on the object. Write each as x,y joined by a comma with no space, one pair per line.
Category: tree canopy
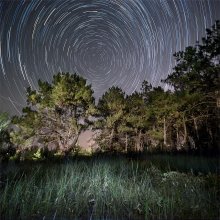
56,114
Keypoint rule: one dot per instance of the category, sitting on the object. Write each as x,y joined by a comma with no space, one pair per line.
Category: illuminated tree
56,114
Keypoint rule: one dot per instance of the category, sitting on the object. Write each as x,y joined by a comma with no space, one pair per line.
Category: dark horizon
109,43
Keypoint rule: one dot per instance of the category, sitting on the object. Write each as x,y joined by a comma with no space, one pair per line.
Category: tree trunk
196,127
164,132
210,134
61,145
185,131
72,142
177,137
138,141
126,142
69,145
111,138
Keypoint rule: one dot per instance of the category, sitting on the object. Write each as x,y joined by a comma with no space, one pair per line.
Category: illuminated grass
107,189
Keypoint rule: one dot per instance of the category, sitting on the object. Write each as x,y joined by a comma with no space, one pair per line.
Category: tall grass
185,163
107,189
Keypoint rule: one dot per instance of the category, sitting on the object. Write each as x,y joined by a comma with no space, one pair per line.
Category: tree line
184,118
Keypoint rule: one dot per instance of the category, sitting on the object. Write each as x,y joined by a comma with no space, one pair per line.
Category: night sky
109,42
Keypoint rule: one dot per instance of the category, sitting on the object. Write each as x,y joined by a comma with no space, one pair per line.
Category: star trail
109,42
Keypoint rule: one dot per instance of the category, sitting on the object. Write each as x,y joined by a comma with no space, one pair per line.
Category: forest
119,180
184,118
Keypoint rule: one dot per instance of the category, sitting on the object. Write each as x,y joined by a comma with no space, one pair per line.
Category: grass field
107,188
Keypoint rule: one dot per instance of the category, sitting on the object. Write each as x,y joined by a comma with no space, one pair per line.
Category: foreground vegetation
106,188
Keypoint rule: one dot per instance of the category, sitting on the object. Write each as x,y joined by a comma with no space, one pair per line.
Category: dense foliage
56,115
6,148
185,118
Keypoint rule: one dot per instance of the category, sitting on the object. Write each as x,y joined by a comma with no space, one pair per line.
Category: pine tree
56,115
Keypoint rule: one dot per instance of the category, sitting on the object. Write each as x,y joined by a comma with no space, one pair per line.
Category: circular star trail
109,42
